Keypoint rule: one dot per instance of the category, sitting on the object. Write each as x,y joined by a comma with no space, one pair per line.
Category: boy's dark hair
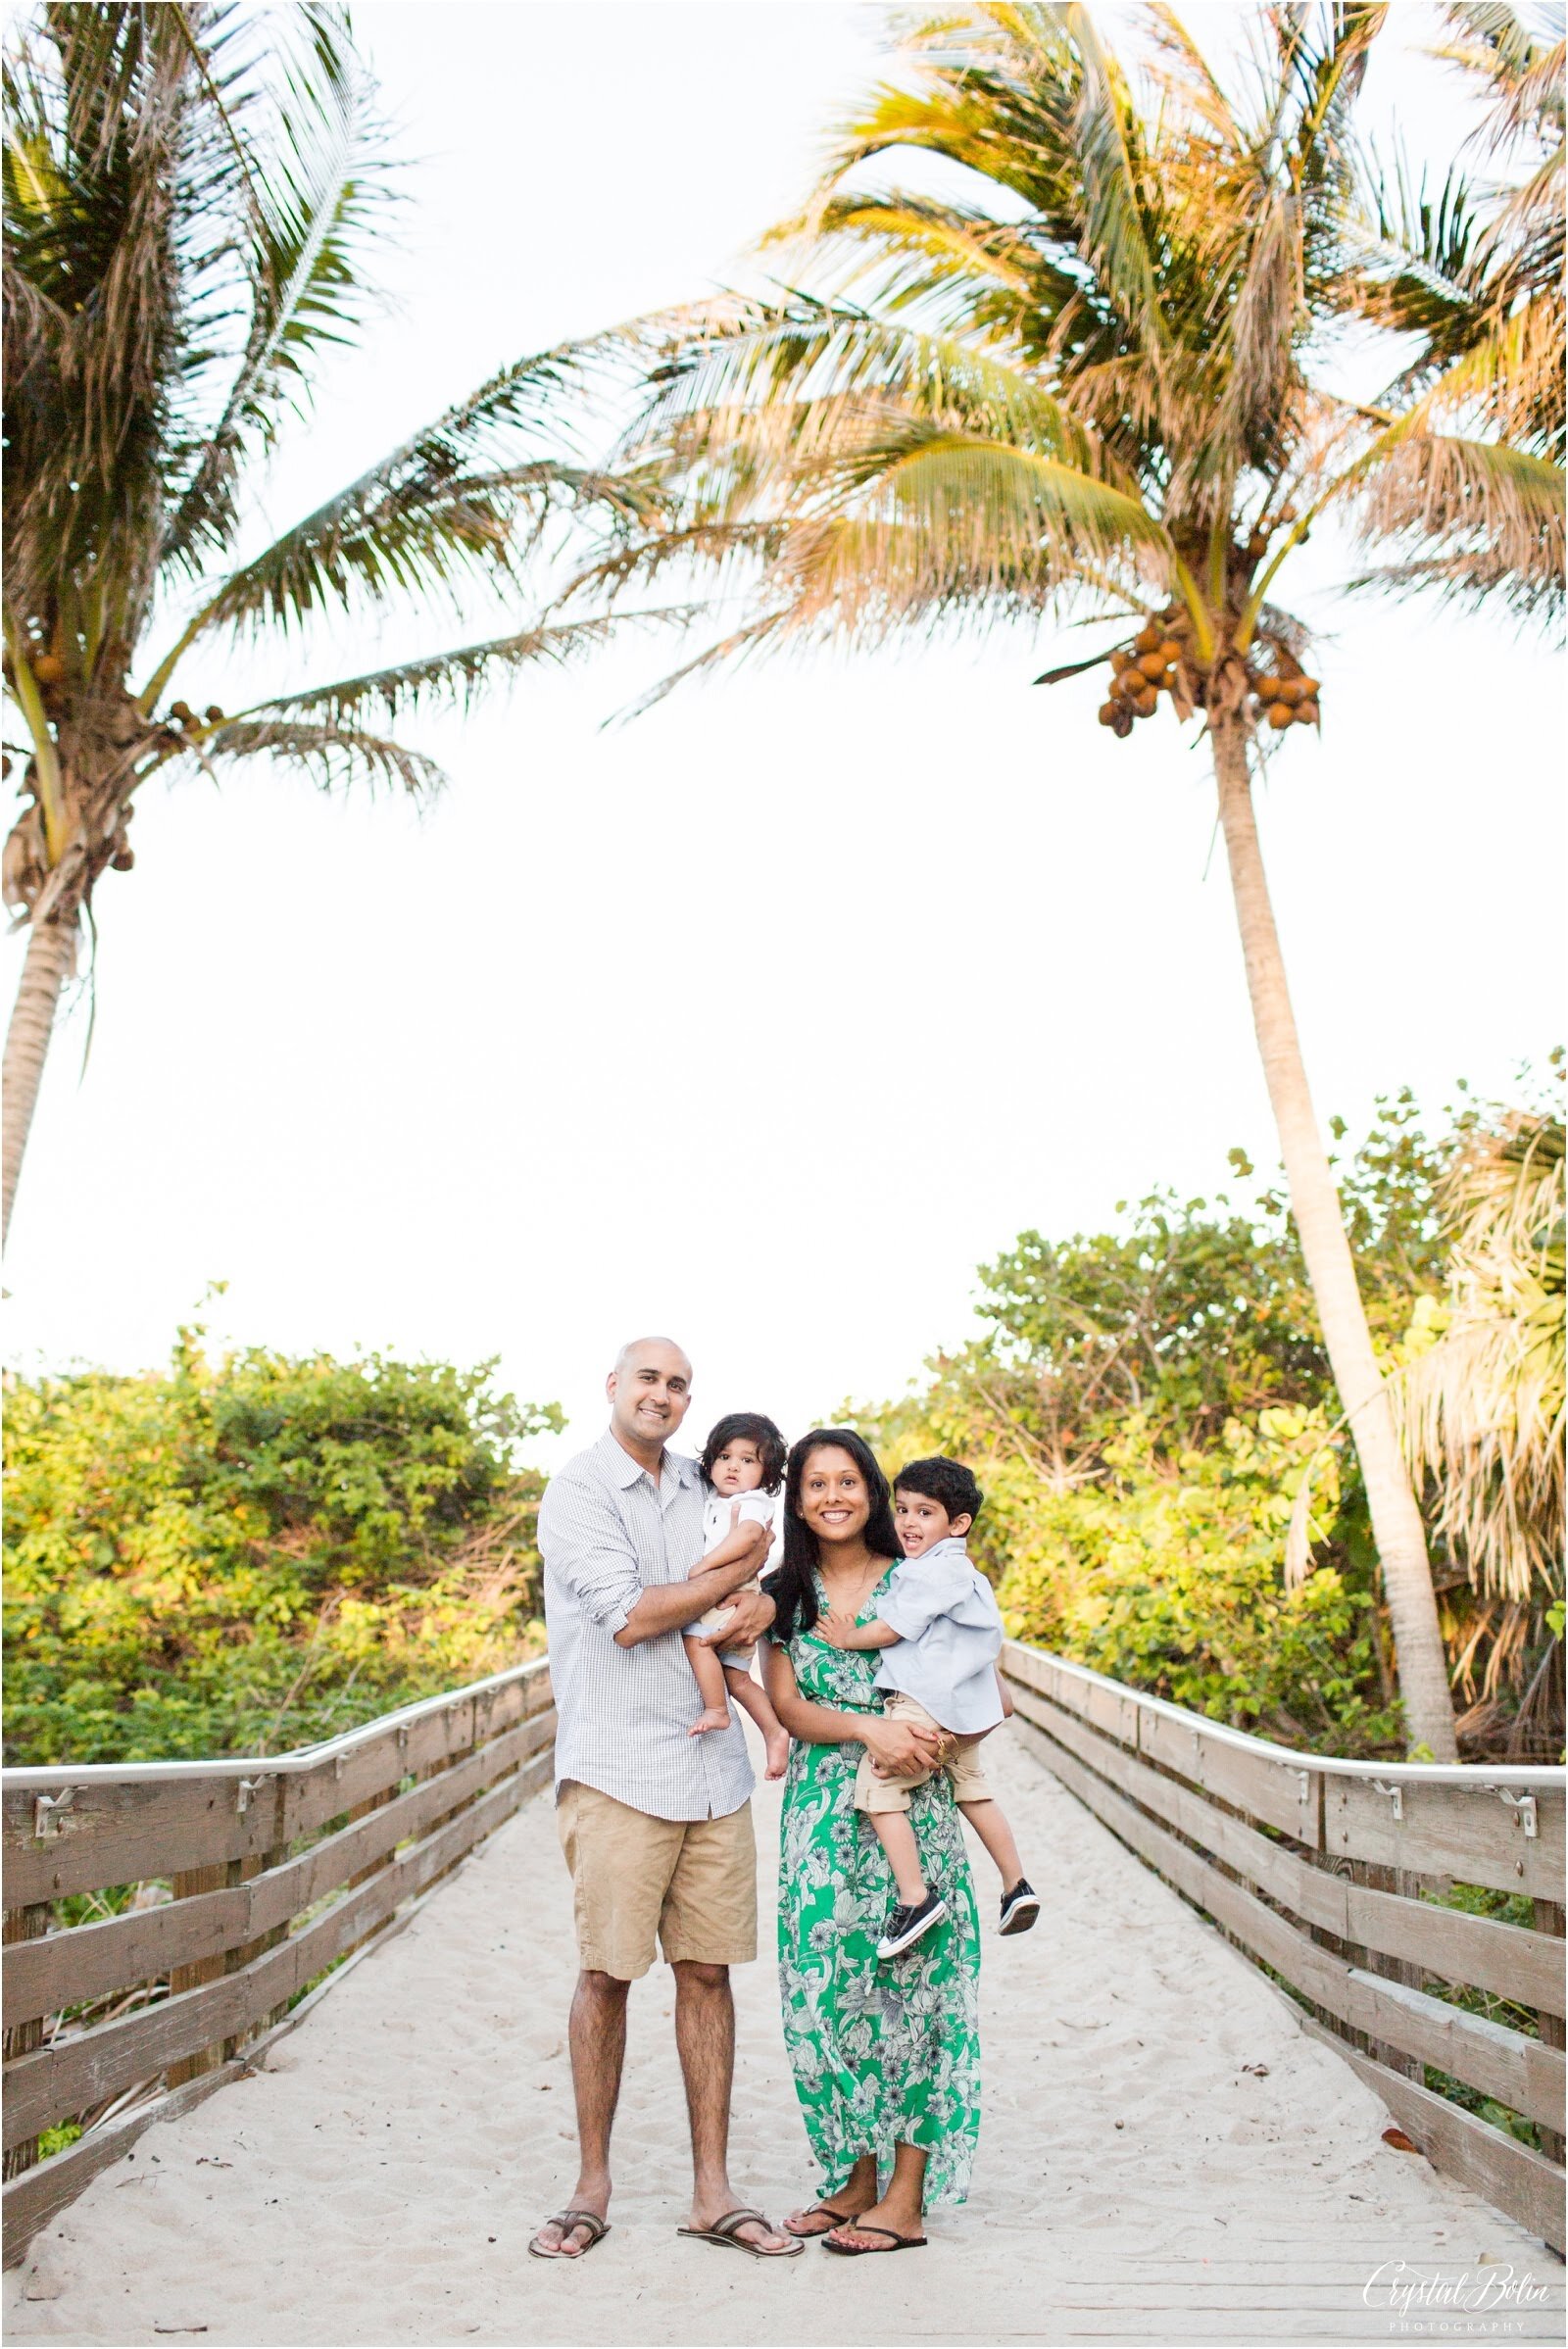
942,1480
748,1427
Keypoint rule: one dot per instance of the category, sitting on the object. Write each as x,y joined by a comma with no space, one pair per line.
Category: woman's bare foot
894,2216
851,2201
714,1717
779,1753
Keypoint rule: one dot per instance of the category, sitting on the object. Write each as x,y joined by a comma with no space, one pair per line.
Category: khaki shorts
716,1619
691,1881
873,1794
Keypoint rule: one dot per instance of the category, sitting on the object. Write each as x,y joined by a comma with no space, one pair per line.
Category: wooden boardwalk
1167,2156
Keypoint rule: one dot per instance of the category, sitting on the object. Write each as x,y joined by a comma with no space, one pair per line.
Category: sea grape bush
1142,1415
246,1554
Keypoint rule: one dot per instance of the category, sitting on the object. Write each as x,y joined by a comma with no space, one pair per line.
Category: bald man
656,1824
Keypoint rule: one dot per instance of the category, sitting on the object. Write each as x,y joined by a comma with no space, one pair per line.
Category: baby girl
742,1467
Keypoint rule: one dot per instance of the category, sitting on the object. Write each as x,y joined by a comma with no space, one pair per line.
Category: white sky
766,1018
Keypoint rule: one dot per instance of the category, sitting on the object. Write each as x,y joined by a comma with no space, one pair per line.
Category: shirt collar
622,1470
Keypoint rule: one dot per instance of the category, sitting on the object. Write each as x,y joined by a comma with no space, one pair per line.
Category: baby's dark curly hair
748,1427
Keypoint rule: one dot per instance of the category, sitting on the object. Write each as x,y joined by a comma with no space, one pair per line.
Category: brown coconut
1153,665
49,668
1306,713
1107,714
1280,714
1148,639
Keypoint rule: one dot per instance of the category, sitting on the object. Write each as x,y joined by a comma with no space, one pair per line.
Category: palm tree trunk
51,951
1397,1526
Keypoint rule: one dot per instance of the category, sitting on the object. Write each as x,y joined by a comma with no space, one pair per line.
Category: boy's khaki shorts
873,1793
691,1882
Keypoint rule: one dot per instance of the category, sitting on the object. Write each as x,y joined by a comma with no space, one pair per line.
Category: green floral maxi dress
882,2053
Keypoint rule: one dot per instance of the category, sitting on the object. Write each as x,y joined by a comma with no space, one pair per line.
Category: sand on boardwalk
1164,2155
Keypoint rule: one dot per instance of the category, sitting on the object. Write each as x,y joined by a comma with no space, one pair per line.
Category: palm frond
335,756
735,646
316,200
453,678
962,271
1419,271
1483,1410
1118,189
1486,511
170,172
437,513
814,357
102,125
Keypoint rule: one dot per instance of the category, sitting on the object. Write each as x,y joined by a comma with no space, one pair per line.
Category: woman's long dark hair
792,1586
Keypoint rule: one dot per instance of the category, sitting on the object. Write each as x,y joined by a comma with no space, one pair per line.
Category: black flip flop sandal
896,2242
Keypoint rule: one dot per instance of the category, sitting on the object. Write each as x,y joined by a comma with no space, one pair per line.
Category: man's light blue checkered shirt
623,1714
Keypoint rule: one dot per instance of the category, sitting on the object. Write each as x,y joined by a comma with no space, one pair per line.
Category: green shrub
247,1555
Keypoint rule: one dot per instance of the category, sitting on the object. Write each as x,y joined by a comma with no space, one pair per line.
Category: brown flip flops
597,2228
725,2231
819,2210
894,2242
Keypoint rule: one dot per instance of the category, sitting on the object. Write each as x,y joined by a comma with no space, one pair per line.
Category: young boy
939,1626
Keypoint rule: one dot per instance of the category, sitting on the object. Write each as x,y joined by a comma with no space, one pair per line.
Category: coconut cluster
1145,670
1160,660
1287,697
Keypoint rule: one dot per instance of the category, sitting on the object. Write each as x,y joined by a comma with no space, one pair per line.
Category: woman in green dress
886,2055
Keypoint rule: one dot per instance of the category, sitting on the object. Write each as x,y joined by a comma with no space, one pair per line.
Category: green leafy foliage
1143,1414
248,1555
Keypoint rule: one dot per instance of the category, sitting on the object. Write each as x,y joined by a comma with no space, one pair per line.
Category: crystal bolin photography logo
1401,2288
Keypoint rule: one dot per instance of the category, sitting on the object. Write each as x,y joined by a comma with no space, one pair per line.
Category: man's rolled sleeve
590,1553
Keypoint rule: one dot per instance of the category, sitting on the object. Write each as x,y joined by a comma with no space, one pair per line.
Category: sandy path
379,2183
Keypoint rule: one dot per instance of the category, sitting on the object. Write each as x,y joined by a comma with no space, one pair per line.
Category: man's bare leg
598,2039
704,2037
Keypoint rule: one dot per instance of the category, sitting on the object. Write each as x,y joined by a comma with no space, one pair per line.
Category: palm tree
1483,1412
190,195
1104,371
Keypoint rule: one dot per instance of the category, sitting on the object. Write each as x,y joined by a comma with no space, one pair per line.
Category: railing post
1383,1878
188,1882
29,1924
1553,2029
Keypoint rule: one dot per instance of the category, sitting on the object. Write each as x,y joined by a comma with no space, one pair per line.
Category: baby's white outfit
756,1508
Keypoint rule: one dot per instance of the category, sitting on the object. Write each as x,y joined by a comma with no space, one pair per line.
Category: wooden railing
232,1887
1330,1876
237,1887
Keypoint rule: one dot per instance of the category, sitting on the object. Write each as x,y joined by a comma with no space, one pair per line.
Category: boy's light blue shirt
949,1636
